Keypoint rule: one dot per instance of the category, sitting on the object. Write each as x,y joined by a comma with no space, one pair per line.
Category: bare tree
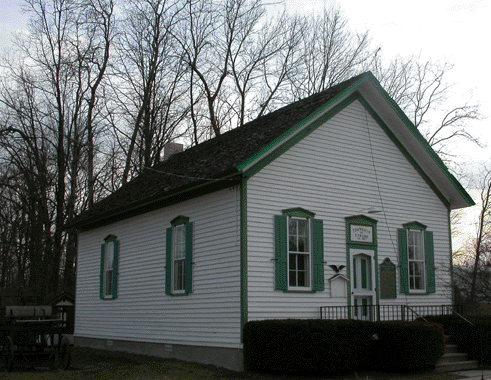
421,89
214,39
149,81
262,62
331,53
50,100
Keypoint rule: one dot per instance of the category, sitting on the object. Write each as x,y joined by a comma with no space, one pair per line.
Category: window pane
109,282
301,279
416,275
301,262
292,226
418,283
108,256
303,227
179,275
293,262
410,252
293,278
179,243
302,244
418,253
293,244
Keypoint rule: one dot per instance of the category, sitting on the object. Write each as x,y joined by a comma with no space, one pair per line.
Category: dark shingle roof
215,158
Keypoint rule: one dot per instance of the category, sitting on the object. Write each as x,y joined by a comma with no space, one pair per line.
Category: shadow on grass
93,364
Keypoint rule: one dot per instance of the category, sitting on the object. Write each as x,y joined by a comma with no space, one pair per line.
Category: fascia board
248,165
415,143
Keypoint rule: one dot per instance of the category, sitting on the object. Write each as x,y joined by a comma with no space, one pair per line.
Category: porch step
457,366
452,360
451,348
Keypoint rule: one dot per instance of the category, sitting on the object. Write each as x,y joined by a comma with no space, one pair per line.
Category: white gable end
345,167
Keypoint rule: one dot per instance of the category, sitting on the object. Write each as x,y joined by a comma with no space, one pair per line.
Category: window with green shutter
179,257
299,251
108,288
416,259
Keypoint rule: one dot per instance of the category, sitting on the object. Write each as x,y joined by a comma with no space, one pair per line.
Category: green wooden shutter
403,261
281,252
188,267
430,262
318,254
168,261
101,283
115,269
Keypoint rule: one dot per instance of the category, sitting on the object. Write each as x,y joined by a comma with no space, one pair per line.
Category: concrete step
450,357
450,348
457,366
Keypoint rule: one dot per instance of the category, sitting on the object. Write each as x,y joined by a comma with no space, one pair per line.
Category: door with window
362,284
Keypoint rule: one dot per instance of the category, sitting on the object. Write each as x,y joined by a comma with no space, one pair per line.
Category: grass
91,364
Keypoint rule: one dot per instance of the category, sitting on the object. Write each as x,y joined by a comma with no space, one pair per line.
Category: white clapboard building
334,206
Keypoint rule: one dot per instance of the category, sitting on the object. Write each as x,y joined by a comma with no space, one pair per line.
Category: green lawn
90,364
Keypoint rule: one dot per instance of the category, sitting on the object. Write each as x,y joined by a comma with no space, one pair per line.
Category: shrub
319,347
407,346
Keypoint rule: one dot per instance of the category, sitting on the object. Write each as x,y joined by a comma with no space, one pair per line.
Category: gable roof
222,161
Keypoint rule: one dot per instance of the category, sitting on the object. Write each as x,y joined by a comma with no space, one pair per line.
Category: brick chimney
171,148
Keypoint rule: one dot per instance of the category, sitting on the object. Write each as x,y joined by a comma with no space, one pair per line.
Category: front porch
388,312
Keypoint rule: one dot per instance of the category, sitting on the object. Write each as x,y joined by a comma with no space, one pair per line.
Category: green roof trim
420,138
278,149
284,142
298,126
404,151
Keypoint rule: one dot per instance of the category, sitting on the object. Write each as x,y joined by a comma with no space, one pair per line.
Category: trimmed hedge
320,347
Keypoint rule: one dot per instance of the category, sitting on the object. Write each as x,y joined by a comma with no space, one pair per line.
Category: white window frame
178,258
421,261
309,270
108,269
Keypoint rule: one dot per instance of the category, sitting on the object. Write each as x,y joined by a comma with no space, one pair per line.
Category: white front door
362,284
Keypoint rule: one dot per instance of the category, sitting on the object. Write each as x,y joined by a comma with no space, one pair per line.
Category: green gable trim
177,221
404,151
298,212
415,226
279,150
276,149
243,257
280,140
420,138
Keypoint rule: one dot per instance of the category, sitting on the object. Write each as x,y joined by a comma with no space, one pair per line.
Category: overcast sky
449,30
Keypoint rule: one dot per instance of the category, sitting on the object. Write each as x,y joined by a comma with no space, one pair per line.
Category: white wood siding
331,173
210,316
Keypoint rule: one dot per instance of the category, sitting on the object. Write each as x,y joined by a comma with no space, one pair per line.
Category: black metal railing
387,312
